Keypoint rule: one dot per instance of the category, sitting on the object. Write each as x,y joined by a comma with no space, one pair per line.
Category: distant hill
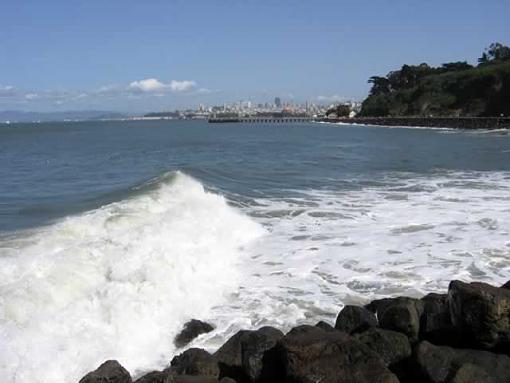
23,116
454,89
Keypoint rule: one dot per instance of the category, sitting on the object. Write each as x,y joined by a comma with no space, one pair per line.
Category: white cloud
148,85
332,98
182,86
152,85
31,96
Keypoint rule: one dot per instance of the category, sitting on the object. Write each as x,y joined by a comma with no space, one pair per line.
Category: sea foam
116,282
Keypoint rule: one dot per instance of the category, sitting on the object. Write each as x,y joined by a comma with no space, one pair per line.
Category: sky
153,55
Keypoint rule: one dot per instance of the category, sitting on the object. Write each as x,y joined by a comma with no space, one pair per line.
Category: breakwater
430,122
260,120
461,336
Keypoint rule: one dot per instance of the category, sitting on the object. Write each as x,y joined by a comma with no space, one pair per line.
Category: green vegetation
453,89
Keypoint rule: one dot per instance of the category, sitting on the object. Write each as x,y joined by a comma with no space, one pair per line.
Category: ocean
114,234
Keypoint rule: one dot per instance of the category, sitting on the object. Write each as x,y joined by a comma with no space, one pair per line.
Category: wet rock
436,325
241,356
481,313
325,326
401,314
109,372
309,354
169,377
445,364
353,319
191,330
156,377
391,346
195,361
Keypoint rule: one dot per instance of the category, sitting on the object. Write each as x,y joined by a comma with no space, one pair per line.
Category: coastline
461,336
467,123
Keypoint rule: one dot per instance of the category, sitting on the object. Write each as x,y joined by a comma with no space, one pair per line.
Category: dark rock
170,377
481,313
391,346
506,286
156,377
241,356
401,314
191,330
436,325
109,372
227,380
195,361
353,319
325,326
309,354
445,364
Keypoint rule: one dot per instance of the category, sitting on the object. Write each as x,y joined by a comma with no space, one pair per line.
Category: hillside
454,89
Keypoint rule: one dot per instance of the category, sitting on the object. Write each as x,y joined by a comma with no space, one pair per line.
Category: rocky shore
462,336
430,122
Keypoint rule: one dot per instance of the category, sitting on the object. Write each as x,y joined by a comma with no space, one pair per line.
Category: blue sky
137,56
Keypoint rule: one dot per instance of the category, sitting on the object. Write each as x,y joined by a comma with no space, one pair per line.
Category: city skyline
161,55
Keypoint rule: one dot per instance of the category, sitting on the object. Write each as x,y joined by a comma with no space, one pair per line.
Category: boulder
156,377
195,361
109,372
325,326
169,377
391,346
241,356
401,314
506,286
437,364
308,354
191,330
436,325
481,313
353,319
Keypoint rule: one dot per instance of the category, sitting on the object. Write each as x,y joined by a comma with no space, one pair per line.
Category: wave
117,281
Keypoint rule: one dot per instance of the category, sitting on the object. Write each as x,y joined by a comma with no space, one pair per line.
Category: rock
308,354
481,313
241,356
391,346
445,364
227,380
325,326
191,330
440,363
401,314
506,286
169,377
353,319
436,325
469,373
109,372
156,377
195,361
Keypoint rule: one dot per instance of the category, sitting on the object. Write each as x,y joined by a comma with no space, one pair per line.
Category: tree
455,66
340,110
496,52
380,85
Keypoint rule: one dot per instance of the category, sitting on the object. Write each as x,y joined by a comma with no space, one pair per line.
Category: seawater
113,234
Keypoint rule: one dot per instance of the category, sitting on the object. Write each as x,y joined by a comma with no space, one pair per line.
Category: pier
259,119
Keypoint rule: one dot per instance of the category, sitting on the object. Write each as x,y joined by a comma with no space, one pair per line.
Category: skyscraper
278,102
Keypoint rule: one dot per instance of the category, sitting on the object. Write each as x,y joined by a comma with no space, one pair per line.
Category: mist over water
112,235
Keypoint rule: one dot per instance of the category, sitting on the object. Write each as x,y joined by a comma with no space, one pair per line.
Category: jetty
260,119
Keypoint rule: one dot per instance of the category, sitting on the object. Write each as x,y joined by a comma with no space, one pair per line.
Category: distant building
278,102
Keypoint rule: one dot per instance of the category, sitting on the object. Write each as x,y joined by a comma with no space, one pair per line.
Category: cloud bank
152,85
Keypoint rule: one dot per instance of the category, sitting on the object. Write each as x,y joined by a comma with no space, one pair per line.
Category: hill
454,89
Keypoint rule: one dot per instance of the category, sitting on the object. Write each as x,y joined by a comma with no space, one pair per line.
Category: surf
117,281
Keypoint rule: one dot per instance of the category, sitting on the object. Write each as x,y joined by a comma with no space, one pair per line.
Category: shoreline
462,336
467,123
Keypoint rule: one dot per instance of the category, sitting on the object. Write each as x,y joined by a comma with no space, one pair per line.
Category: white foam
117,282
409,237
